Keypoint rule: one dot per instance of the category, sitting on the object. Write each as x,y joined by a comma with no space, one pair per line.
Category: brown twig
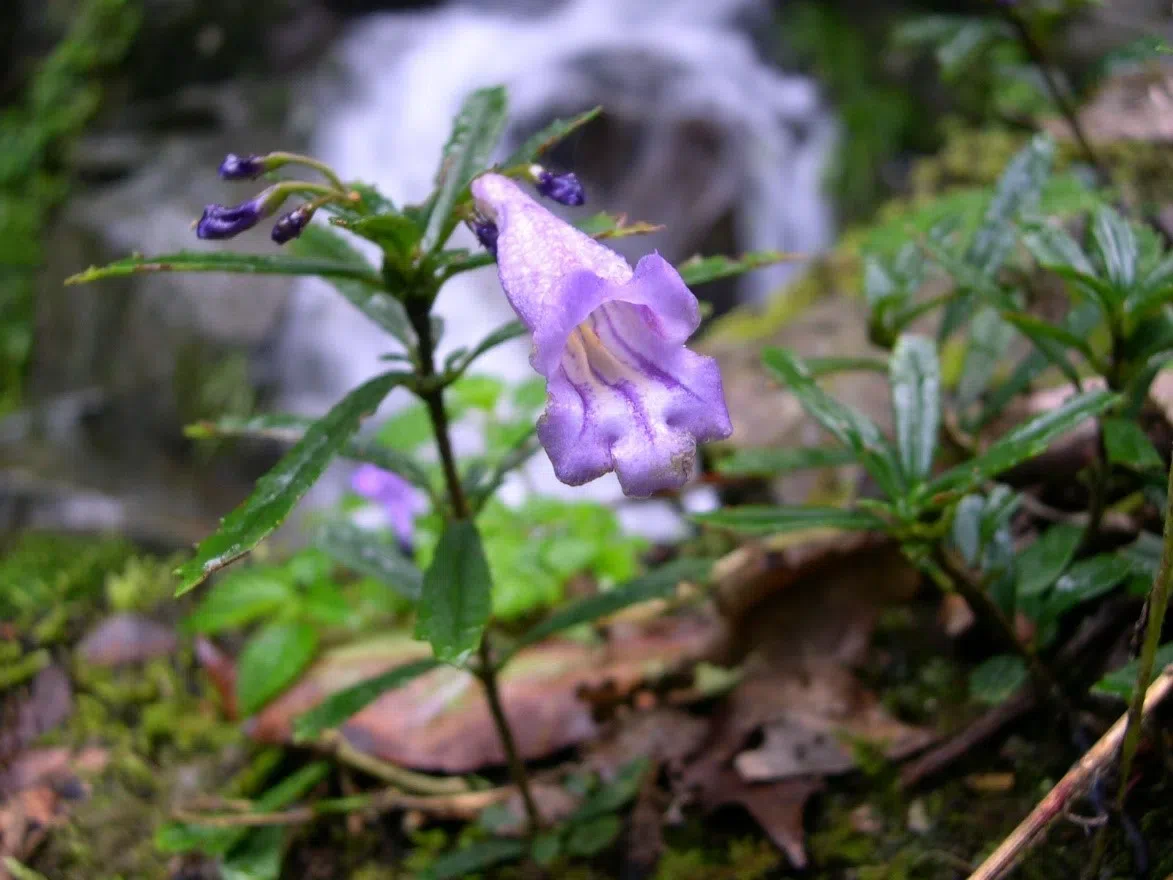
1071,786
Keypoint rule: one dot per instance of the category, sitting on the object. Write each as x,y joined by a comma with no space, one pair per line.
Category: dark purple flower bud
565,189
289,226
486,232
236,167
228,221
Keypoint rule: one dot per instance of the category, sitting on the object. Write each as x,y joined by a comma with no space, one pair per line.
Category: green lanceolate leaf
224,261
456,600
370,555
767,462
1116,245
1079,321
1054,249
997,679
288,428
1128,445
473,858
339,707
603,225
1121,682
654,585
504,333
543,140
754,519
851,428
916,404
241,598
989,337
1017,191
394,232
1043,333
271,661
282,487
1041,564
1086,580
1025,441
366,295
698,270
1155,291
474,137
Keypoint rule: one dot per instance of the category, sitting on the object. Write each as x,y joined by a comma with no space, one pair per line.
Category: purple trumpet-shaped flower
565,189
401,502
623,393
228,221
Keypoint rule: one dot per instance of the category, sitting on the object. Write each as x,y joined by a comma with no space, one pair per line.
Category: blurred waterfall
699,132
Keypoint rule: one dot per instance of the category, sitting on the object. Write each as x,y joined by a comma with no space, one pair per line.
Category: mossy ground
168,743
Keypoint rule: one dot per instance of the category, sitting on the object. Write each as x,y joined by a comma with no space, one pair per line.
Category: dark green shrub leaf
1017,191
590,838
754,519
916,404
240,598
548,137
989,337
467,861
997,679
653,585
456,600
257,856
271,661
851,428
474,137
369,554
339,707
1085,580
1122,682
394,232
1041,332
753,462
1025,441
1128,445
1041,564
612,796
282,487
967,528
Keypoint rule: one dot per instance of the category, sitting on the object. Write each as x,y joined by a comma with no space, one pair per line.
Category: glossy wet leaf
754,462
394,232
915,380
1041,564
373,555
1023,442
1017,191
1127,444
474,137
234,263
271,660
763,519
1042,332
989,338
1117,248
282,487
541,141
656,584
699,270
850,427
456,600
337,708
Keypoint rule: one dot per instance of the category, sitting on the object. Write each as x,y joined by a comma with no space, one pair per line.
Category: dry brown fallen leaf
441,722
126,638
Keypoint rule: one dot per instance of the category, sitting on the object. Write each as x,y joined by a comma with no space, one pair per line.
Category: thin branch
1070,787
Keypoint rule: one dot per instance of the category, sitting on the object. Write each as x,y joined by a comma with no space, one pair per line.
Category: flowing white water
703,132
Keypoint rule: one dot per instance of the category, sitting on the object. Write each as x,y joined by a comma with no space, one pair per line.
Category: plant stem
1038,57
433,397
987,609
1156,606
